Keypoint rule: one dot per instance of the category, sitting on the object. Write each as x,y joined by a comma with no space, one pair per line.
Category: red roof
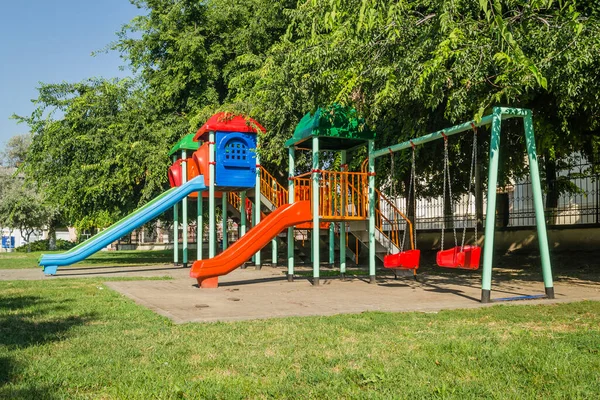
225,122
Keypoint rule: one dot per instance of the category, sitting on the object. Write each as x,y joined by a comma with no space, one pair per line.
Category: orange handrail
272,189
380,218
234,199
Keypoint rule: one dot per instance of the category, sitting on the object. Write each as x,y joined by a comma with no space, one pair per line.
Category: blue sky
52,41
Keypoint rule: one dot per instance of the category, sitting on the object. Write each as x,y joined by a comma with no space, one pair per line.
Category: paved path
90,272
251,294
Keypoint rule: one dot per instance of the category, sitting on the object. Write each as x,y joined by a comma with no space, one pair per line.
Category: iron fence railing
578,204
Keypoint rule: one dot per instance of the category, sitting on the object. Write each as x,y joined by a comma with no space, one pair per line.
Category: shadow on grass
23,323
42,392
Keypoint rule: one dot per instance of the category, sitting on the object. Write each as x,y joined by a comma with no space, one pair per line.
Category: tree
105,156
16,150
189,52
107,153
22,207
412,68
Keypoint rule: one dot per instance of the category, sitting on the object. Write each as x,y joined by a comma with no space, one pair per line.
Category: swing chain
412,189
447,180
393,196
473,163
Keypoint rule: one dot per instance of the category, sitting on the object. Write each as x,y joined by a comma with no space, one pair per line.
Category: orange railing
272,190
342,195
388,216
234,199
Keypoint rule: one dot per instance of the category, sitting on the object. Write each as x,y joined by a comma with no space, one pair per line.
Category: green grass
77,339
109,258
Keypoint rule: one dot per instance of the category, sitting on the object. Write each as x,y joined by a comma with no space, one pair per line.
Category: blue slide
153,209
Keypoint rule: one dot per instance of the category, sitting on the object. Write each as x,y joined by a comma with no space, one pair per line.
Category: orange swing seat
465,258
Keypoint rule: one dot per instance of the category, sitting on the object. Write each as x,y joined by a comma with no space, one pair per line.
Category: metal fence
578,204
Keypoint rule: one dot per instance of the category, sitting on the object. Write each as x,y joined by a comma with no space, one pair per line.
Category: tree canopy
408,67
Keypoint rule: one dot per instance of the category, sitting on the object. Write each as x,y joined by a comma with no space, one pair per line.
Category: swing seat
468,258
408,259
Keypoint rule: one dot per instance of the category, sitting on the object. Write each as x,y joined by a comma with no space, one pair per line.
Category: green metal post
372,248
538,205
224,220
257,194
184,216
200,227
212,228
243,213
490,221
175,228
290,232
275,252
315,210
331,244
343,225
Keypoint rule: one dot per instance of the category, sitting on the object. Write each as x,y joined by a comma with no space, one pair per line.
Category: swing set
462,255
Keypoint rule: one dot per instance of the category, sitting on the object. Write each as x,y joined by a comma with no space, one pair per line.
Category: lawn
77,339
109,258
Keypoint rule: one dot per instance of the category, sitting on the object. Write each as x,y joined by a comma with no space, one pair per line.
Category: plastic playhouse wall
235,161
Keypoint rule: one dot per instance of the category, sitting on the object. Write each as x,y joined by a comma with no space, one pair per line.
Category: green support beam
343,225
490,221
184,216
243,221
331,244
467,126
315,210
290,232
372,244
538,205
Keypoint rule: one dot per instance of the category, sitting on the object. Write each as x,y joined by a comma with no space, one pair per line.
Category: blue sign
8,242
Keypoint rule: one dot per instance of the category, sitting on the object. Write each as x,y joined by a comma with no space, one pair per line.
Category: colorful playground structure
220,161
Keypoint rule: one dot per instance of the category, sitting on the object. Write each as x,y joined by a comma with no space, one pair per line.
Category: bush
43,245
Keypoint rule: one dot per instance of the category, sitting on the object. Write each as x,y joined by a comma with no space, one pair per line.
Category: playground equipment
464,257
406,259
154,208
208,271
226,162
495,120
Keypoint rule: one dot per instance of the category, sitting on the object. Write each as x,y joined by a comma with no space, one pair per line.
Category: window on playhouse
237,154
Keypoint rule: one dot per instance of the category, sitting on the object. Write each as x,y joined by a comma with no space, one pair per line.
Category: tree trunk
552,189
52,234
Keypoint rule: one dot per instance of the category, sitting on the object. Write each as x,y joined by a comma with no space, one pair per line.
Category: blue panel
235,160
8,242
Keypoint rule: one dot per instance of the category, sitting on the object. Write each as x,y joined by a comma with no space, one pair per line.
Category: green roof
337,128
186,143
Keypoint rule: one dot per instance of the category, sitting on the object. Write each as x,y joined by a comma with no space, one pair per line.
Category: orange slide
208,271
